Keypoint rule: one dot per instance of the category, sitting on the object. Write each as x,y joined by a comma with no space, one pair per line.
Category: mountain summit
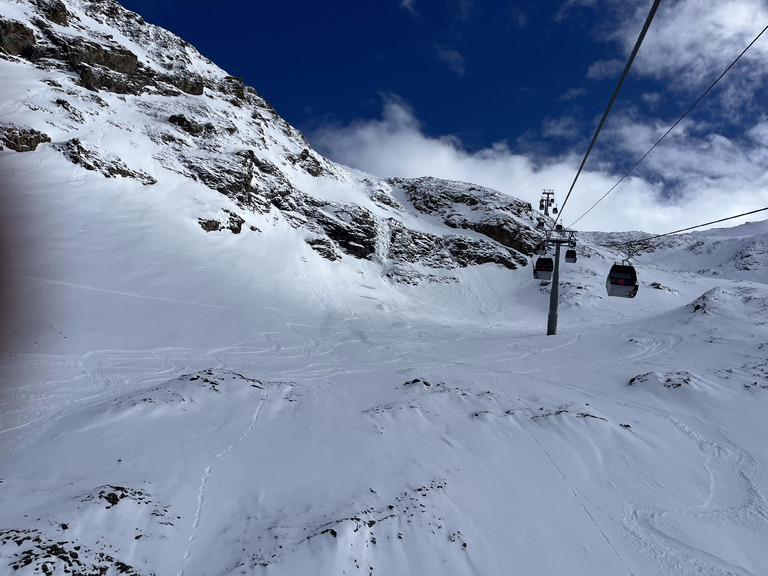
122,98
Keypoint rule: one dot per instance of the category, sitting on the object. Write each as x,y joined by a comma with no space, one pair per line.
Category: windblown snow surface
178,402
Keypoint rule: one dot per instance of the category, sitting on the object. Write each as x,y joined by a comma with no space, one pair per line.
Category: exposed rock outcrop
506,220
208,126
21,139
55,11
16,39
234,223
91,159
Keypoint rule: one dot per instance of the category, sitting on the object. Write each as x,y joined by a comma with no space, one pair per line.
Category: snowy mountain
129,100
224,354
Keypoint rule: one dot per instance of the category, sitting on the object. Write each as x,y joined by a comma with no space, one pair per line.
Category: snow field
178,402
375,447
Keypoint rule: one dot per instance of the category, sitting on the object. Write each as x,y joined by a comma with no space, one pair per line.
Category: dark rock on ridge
21,139
308,162
190,126
115,58
15,38
252,183
499,217
55,11
213,129
92,160
234,224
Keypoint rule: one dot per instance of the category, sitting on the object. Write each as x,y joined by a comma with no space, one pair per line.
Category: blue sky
508,94
482,71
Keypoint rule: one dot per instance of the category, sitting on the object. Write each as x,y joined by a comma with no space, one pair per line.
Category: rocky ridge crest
93,58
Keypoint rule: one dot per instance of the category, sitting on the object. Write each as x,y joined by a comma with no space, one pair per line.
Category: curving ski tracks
735,503
205,479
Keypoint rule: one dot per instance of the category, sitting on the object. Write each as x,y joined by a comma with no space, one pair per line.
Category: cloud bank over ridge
689,181
711,166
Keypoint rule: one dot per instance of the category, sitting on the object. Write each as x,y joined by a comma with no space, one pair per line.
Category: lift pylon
556,238
547,201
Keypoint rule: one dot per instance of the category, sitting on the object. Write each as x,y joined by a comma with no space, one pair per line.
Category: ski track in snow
726,460
344,336
133,294
656,538
80,381
350,348
654,344
734,473
582,500
70,383
207,475
648,527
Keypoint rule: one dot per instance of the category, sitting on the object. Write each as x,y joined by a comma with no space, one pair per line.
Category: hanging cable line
622,279
671,128
639,41
647,238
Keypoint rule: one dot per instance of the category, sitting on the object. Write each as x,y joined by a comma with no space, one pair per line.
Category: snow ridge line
207,474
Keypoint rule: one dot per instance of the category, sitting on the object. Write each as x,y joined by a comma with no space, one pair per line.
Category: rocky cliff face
101,76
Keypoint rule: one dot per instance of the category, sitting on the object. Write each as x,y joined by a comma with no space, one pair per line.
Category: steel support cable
672,127
624,74
647,238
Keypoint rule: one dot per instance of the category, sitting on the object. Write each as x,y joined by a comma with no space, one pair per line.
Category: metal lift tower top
547,200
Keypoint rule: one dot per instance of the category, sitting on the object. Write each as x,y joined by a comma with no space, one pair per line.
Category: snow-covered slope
225,354
177,147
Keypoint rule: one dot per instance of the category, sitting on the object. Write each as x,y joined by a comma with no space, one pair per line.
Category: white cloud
692,41
689,158
759,132
711,178
652,99
603,69
452,58
516,17
573,94
409,5
563,128
688,45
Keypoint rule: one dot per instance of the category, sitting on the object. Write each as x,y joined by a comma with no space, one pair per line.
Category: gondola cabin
622,281
570,255
543,268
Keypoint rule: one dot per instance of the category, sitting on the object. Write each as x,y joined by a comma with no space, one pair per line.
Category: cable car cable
671,128
647,238
706,224
624,74
622,278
